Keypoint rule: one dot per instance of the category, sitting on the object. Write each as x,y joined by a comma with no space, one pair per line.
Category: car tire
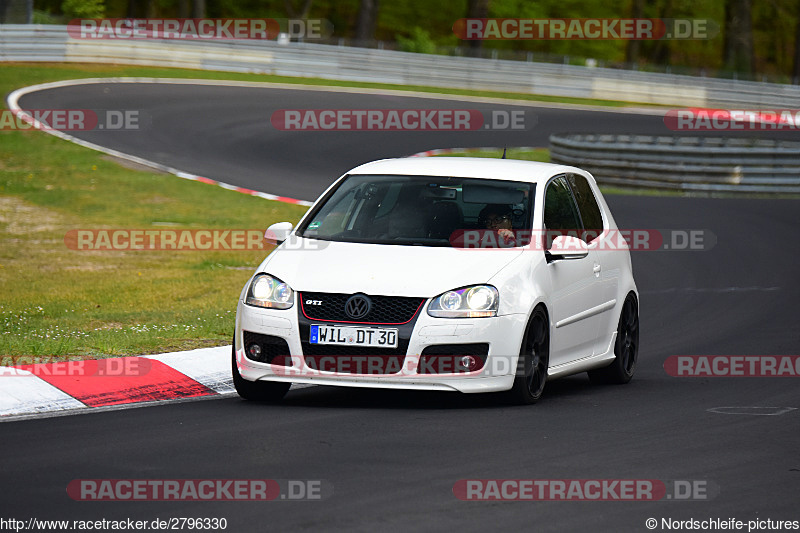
534,358
259,391
626,348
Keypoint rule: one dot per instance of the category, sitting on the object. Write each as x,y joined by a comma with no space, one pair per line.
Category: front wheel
259,391
626,348
534,358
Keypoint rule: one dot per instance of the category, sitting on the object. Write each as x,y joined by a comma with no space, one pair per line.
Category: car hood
391,270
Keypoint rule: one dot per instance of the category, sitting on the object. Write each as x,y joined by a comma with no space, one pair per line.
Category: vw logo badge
357,306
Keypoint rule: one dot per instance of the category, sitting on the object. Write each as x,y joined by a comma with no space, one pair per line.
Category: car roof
466,167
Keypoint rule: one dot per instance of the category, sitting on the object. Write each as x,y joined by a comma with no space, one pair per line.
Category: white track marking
759,411
208,366
25,393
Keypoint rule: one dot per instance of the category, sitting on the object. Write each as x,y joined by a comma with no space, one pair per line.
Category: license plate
350,336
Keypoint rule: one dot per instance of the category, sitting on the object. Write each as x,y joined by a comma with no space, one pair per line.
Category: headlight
469,302
266,291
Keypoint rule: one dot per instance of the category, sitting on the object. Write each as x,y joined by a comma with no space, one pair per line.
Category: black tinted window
559,208
418,210
587,204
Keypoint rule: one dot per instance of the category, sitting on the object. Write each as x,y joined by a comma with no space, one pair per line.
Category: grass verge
525,154
64,303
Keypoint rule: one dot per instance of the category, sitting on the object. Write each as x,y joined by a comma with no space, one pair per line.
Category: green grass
525,154
57,302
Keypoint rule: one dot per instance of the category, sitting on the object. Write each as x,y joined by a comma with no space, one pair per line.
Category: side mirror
567,247
278,232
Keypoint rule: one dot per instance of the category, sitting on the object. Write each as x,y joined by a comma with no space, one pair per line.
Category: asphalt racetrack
393,457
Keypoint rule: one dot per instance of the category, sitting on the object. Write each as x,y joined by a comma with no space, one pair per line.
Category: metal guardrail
52,43
683,163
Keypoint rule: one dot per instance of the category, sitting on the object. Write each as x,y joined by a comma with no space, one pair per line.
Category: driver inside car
498,217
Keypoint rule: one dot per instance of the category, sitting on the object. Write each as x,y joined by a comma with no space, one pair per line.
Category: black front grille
329,307
274,350
398,312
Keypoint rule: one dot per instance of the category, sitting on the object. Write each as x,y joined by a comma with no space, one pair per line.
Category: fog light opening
255,351
468,362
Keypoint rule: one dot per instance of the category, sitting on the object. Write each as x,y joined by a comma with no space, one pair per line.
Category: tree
134,9
739,53
632,50
294,13
367,20
477,9
662,49
796,66
199,9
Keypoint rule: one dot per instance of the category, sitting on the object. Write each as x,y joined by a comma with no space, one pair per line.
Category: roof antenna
504,153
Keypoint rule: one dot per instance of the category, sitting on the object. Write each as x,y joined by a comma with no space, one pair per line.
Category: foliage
419,42
89,9
44,17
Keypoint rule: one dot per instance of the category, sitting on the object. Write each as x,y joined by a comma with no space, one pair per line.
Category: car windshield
418,210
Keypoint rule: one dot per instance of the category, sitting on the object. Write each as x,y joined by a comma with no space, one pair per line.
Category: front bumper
503,334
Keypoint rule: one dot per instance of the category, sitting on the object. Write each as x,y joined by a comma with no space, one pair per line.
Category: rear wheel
534,358
626,347
259,391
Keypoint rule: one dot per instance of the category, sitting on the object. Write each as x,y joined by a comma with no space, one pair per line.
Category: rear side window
588,206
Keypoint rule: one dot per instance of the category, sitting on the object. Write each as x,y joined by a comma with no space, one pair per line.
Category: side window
559,208
560,213
587,204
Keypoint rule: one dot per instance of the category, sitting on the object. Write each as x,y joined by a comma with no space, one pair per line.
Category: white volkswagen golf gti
446,273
